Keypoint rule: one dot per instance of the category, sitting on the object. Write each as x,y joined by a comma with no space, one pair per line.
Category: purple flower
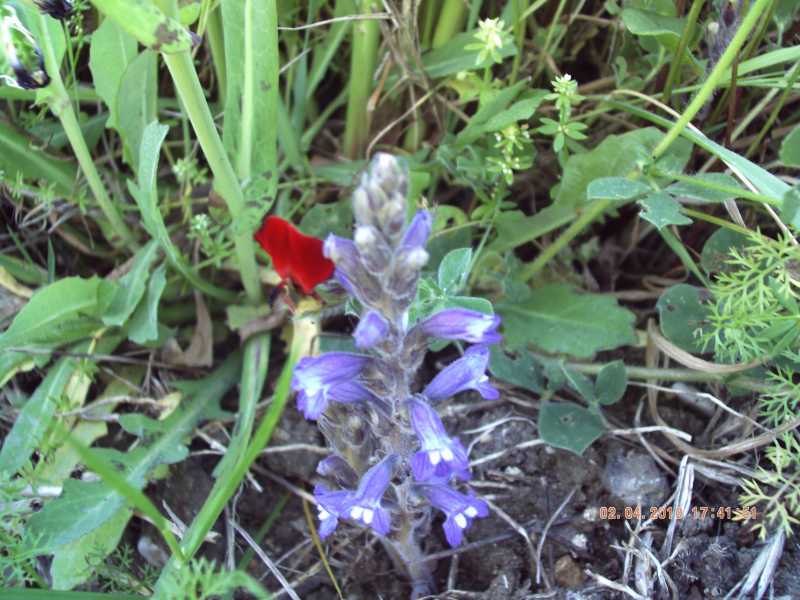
463,324
466,373
439,455
372,328
416,236
328,378
459,509
58,9
362,505
350,271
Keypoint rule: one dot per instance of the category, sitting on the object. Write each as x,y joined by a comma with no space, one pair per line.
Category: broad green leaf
454,56
64,311
682,310
716,250
569,426
611,382
615,188
580,383
522,371
498,112
137,103
18,160
515,228
52,134
557,319
662,210
72,562
322,219
110,53
706,194
790,148
38,594
27,272
790,211
83,507
143,326
454,270
651,23
145,22
131,286
251,100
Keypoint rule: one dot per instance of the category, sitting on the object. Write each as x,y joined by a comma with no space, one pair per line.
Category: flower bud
375,252
19,54
58,9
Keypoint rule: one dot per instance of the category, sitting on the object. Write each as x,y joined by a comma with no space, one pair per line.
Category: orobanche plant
393,462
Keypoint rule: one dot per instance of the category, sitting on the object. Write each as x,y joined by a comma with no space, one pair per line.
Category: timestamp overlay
733,513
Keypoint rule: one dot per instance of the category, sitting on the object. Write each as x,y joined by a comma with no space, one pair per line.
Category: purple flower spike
463,324
328,378
459,509
362,505
439,455
466,373
416,235
372,328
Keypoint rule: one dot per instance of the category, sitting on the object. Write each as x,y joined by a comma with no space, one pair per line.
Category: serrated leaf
611,382
682,310
143,326
557,319
111,51
662,210
145,22
131,286
615,188
569,426
83,507
454,270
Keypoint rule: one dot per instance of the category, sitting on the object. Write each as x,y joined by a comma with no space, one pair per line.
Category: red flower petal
295,256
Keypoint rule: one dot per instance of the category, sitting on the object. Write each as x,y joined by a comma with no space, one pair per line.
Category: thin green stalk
716,75
520,7
187,84
551,29
429,15
61,106
363,58
451,21
688,32
710,185
678,248
795,73
591,212
216,42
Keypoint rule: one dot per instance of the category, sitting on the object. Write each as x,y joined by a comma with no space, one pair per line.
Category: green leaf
569,426
17,160
83,507
454,56
580,383
650,23
64,311
682,309
37,594
322,219
143,327
110,53
454,270
137,103
705,194
662,210
251,100
790,148
615,188
132,286
612,380
522,371
716,250
790,211
496,114
557,319
145,22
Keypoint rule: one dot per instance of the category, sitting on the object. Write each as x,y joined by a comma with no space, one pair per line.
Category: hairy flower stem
61,106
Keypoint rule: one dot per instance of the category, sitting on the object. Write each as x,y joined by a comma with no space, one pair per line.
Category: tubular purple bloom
466,373
463,324
459,509
328,378
362,505
372,328
439,455
416,236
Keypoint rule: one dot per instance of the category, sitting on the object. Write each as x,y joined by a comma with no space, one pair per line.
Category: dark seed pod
58,9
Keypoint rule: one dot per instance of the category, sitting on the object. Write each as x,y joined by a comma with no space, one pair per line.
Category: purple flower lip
328,378
416,236
371,330
459,509
362,505
466,373
463,324
440,456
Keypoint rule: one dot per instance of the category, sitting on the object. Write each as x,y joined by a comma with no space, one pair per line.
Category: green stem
451,21
216,42
716,75
61,106
520,7
710,185
589,214
678,248
688,31
551,29
363,58
775,110
187,84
